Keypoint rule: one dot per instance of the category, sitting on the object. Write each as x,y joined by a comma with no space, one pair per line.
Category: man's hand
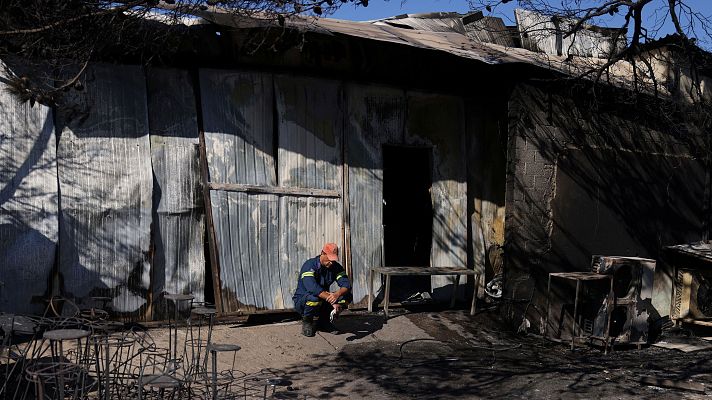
337,307
332,298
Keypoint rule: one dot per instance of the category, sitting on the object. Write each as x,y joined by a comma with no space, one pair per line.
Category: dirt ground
447,355
438,354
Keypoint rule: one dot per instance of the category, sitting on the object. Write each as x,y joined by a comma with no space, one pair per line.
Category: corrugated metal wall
247,237
106,184
310,124
238,123
274,146
178,214
376,116
28,203
310,128
264,237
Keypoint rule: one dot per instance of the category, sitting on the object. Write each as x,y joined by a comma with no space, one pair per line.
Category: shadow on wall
29,200
28,204
619,180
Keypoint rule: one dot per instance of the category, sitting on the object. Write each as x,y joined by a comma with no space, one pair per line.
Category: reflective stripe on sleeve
341,275
308,273
313,303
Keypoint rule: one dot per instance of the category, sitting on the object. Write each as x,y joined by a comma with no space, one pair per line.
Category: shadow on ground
471,361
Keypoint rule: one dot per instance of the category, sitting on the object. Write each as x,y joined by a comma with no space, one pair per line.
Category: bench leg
473,307
454,291
548,306
370,290
387,296
573,324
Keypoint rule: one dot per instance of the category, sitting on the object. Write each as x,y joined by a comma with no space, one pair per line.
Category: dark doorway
407,215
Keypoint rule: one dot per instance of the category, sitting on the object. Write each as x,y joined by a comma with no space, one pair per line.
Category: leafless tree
56,39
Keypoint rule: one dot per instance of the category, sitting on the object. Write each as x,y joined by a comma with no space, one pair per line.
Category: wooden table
421,271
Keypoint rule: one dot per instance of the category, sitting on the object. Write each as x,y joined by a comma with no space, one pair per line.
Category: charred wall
486,176
597,176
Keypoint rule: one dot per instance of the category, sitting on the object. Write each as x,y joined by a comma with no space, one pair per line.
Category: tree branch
73,19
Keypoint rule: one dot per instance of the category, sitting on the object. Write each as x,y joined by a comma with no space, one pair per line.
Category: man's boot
308,326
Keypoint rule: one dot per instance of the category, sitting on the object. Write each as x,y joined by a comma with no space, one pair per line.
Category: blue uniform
314,279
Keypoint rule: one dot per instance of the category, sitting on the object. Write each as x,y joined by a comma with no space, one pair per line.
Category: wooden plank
424,271
212,247
696,322
579,276
673,383
346,205
287,191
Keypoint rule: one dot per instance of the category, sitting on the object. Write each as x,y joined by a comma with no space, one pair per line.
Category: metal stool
65,371
177,300
113,354
273,383
25,329
199,344
57,380
227,378
158,375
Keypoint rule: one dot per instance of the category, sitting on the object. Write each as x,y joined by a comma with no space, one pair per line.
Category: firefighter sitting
312,297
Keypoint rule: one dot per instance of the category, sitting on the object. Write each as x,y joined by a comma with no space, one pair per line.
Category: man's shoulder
309,264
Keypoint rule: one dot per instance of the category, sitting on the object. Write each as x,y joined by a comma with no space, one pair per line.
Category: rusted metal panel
310,128
263,238
310,116
238,122
238,115
376,116
432,22
451,42
305,225
105,180
490,30
28,203
178,230
438,121
247,231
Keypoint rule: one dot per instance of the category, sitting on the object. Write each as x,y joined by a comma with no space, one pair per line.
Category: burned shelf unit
692,285
590,309
632,296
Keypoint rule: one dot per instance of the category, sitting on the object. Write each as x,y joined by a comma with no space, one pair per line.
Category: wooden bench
421,271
